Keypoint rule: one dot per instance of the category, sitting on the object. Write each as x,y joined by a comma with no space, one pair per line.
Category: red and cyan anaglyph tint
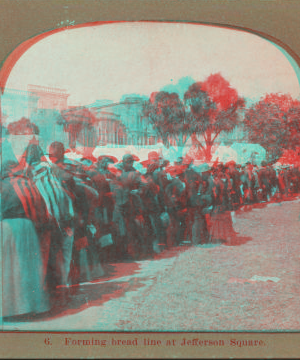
150,181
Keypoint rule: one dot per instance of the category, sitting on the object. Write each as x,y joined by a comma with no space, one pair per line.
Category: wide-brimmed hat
110,159
130,157
88,157
175,170
152,156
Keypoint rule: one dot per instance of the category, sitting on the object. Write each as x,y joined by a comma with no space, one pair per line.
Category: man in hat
62,233
130,211
153,196
84,198
235,179
273,179
101,177
201,198
156,166
150,191
153,158
175,201
248,183
103,163
264,181
192,180
295,178
126,165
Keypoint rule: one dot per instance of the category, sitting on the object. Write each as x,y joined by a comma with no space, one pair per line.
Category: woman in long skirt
22,211
221,229
22,269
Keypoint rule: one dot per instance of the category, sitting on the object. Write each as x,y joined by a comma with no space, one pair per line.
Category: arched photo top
111,60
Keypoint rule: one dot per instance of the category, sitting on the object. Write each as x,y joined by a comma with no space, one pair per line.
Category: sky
109,61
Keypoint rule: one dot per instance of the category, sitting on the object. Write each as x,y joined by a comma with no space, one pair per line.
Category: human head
153,157
263,163
231,165
128,160
164,164
104,160
34,154
179,161
219,170
86,162
56,151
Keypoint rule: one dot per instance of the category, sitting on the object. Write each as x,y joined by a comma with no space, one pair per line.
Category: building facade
42,105
16,104
123,123
98,124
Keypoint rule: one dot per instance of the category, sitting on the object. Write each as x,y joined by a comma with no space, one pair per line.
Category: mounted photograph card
150,182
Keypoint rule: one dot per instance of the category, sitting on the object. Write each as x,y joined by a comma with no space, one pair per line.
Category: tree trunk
208,155
209,144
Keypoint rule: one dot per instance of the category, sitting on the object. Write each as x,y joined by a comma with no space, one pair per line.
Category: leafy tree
75,121
215,107
273,122
169,117
23,127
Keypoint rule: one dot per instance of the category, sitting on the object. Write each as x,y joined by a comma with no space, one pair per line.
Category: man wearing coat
201,199
131,210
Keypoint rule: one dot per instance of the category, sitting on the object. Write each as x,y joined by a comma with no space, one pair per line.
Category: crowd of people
62,219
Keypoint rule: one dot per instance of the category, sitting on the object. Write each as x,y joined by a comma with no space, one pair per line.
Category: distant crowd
61,219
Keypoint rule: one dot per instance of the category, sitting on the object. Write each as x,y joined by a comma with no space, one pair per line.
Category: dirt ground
251,285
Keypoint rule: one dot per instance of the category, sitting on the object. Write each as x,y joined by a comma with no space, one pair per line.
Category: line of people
62,219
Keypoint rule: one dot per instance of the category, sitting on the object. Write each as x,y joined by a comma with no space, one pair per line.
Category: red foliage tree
74,121
23,127
273,122
215,106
